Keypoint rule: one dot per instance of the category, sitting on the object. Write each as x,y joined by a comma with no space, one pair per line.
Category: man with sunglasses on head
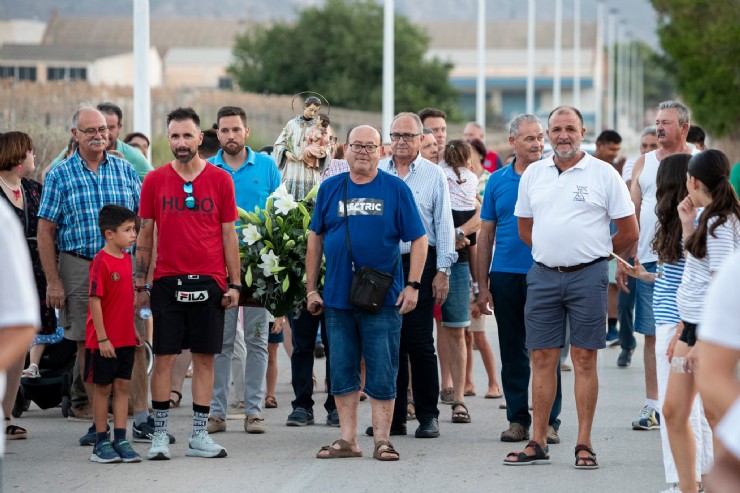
74,192
431,194
193,206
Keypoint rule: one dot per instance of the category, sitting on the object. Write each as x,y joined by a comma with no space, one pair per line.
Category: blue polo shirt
254,180
511,254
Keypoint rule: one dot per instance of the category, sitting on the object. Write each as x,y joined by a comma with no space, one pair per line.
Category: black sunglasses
188,189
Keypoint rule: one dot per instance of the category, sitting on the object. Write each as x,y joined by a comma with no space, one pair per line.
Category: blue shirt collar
218,159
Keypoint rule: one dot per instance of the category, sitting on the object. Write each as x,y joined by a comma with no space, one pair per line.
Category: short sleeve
523,207
488,208
229,213
50,207
721,319
619,202
97,277
722,244
146,202
319,212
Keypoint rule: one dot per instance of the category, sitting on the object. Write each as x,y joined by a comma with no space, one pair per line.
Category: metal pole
530,55
557,60
599,70
627,107
620,75
388,69
610,113
577,53
142,95
480,86
635,85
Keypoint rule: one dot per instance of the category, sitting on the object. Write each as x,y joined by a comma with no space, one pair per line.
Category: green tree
701,40
337,50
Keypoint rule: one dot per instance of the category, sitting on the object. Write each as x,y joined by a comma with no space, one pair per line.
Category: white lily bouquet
272,249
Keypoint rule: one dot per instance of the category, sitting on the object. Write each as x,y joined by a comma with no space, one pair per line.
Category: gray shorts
75,274
580,296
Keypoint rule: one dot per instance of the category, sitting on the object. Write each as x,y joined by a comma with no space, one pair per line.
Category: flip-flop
522,459
378,454
14,432
343,452
494,396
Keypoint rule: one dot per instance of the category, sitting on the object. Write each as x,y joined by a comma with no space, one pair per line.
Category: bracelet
145,287
102,340
310,293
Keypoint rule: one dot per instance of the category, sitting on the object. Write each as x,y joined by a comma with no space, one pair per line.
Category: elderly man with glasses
74,192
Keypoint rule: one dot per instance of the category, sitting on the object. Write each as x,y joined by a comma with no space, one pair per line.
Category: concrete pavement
466,457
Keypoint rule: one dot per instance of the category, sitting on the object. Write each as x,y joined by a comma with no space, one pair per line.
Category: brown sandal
175,403
460,416
343,452
378,454
270,402
588,462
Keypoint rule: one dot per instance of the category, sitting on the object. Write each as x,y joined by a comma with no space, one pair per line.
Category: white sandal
32,371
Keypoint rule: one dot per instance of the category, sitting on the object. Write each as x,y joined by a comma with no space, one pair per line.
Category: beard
233,148
568,155
184,158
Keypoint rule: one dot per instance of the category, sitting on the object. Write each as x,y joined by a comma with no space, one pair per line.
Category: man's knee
583,359
545,358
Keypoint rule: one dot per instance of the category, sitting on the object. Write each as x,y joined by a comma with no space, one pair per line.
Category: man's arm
635,190
627,234
410,296
485,253
144,247
314,252
46,235
525,229
231,255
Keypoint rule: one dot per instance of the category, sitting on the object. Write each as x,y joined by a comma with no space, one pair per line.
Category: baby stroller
52,387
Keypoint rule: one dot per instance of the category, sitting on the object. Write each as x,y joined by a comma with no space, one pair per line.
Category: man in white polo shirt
564,207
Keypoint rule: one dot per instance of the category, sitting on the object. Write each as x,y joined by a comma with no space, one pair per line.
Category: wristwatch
235,286
414,284
459,234
445,270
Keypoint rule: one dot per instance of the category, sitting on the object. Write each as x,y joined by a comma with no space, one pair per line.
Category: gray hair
517,122
648,131
683,112
76,114
427,131
413,116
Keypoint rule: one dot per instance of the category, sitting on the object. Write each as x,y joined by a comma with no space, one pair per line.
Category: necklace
16,191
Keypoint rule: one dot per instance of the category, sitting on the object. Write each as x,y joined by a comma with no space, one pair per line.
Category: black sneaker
300,417
332,419
144,432
318,350
91,437
625,358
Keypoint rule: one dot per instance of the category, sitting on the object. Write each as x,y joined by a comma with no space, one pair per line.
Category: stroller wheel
20,405
149,357
65,406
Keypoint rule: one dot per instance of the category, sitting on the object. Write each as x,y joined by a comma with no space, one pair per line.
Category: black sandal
522,459
175,403
589,462
460,416
14,432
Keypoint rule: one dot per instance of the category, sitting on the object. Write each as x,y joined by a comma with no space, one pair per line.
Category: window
27,73
78,73
55,73
66,73
226,83
7,72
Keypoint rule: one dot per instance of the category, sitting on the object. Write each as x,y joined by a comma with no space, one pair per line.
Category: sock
652,403
161,413
102,436
200,418
140,417
612,324
119,434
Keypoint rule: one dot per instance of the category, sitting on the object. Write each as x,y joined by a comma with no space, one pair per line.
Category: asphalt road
466,457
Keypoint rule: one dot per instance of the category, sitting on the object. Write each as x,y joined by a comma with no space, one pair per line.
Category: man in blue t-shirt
507,291
380,213
255,178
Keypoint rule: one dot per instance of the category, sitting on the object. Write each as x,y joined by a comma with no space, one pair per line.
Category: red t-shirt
189,240
112,279
492,162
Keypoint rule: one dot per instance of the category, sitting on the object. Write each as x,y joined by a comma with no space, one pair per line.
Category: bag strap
346,232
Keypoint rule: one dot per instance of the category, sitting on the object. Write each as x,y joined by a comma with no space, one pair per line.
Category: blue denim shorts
354,334
644,318
456,308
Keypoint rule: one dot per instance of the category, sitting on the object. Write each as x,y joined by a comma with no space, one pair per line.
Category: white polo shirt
572,210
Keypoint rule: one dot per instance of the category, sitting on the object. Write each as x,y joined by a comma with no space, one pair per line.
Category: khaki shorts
75,274
477,324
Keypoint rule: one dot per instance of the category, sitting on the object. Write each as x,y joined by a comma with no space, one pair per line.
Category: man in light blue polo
255,178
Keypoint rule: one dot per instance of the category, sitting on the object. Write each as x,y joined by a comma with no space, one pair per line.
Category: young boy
111,336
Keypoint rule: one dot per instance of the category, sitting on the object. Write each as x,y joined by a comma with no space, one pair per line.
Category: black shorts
102,371
688,335
187,321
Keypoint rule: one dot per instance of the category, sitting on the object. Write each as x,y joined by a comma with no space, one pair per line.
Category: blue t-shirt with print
381,213
511,254
254,180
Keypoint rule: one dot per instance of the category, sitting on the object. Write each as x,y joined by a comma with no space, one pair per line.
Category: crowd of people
569,251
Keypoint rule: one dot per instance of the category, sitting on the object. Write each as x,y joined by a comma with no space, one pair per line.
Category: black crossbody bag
369,285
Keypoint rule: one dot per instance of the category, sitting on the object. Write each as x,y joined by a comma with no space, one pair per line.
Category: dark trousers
626,315
305,329
509,293
417,347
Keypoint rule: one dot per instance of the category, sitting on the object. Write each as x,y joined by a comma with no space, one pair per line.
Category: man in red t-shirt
492,161
193,206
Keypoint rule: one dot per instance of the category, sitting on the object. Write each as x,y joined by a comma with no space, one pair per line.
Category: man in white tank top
672,126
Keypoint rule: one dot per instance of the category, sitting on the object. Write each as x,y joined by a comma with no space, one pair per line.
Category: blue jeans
626,315
305,330
644,318
355,334
509,293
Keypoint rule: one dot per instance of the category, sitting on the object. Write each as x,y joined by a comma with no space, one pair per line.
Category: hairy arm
485,253
46,235
409,296
525,229
627,234
314,254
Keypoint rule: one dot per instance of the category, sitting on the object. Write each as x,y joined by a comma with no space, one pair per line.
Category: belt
431,250
572,268
79,256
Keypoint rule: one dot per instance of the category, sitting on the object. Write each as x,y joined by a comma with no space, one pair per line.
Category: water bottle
677,365
145,312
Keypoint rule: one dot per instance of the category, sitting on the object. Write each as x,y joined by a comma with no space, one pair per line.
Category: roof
60,53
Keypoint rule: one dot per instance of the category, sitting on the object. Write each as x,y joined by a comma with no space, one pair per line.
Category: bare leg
651,373
544,386
382,413
455,337
35,354
202,379
138,390
89,390
120,404
586,392
287,339
162,377
469,383
13,380
100,406
445,379
347,408
489,362
182,363
272,368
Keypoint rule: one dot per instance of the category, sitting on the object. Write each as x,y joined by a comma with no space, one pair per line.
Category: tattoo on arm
144,249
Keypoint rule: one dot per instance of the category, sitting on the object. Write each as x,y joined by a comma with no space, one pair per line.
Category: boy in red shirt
110,334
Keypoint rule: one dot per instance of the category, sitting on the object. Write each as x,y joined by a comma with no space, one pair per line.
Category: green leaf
275,270
248,276
286,284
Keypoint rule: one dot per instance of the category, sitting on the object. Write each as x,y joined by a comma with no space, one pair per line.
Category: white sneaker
235,412
672,489
202,445
160,449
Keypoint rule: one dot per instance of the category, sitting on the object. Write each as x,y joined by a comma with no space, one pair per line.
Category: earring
19,168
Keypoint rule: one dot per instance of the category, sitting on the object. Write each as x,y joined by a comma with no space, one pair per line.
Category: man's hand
142,298
277,325
55,294
440,288
314,304
485,302
106,349
407,299
230,299
622,277
462,243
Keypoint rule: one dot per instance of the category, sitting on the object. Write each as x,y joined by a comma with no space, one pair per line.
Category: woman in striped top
708,243
668,245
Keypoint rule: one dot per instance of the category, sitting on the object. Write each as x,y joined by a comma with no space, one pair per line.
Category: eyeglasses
370,148
395,137
188,189
92,132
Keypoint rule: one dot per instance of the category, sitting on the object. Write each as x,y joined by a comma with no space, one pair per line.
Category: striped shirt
667,281
73,196
428,183
698,272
